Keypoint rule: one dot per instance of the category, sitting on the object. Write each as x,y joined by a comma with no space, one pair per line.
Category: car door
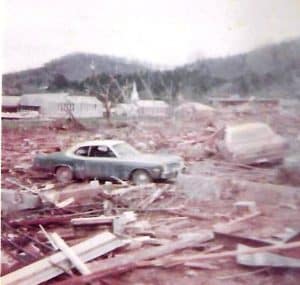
101,162
79,158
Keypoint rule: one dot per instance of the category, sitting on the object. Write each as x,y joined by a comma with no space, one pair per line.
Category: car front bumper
172,174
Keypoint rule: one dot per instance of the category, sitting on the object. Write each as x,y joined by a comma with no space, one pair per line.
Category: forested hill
273,70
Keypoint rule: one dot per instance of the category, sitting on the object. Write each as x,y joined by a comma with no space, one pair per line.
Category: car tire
64,174
140,176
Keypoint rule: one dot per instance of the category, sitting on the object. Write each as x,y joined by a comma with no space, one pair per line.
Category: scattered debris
234,225
245,206
290,170
44,269
13,200
120,221
157,226
129,261
265,259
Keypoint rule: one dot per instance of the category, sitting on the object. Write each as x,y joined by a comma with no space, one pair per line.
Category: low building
86,106
62,105
234,101
125,110
152,108
10,103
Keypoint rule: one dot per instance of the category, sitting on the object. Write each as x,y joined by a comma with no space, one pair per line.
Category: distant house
45,103
10,103
62,105
86,106
152,108
234,101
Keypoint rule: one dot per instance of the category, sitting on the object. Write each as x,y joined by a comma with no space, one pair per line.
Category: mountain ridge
266,66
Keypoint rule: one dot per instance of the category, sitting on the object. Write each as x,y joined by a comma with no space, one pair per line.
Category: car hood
54,155
154,158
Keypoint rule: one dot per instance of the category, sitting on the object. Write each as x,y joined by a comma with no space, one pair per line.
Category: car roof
108,143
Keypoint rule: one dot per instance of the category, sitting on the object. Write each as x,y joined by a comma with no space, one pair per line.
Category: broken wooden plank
129,261
65,203
48,237
233,253
147,202
226,277
169,261
235,224
126,190
120,221
93,220
42,270
70,254
200,265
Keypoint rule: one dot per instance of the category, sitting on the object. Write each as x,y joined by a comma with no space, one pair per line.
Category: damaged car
108,159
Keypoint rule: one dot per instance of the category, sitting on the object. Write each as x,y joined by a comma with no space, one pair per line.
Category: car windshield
124,149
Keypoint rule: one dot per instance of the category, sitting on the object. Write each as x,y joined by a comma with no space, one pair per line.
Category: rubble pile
222,222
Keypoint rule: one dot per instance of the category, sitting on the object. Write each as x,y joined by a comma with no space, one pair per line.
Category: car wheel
139,177
64,174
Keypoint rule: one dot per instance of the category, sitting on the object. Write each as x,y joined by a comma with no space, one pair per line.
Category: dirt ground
202,198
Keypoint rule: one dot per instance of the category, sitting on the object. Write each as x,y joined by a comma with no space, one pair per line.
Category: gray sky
162,32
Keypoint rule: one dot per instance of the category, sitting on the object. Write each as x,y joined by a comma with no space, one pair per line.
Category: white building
86,106
152,108
10,103
148,108
61,105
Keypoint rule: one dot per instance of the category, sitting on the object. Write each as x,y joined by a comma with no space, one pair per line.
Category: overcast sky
163,32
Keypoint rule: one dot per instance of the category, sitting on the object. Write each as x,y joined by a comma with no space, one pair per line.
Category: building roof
249,99
42,98
152,103
84,99
10,101
39,99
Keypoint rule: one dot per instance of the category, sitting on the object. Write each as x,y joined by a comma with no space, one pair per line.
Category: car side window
82,151
101,151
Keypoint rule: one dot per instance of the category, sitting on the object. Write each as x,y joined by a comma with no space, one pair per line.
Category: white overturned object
265,259
253,143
